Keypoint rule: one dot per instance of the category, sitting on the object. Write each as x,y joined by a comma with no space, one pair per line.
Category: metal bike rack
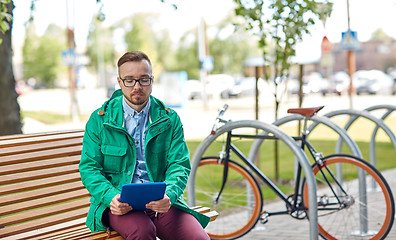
390,109
278,133
343,135
354,114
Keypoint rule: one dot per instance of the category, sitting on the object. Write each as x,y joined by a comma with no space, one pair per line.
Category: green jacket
108,157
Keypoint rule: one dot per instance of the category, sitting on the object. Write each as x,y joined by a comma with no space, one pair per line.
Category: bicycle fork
224,157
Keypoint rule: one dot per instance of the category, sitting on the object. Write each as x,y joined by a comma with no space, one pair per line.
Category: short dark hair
133,56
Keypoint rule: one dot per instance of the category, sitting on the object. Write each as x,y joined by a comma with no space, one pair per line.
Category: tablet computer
139,194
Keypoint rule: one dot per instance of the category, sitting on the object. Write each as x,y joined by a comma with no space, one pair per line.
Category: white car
372,82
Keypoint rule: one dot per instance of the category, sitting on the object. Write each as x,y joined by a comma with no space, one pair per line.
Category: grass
50,117
385,156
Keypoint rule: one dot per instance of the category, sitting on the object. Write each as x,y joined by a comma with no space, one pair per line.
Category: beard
139,97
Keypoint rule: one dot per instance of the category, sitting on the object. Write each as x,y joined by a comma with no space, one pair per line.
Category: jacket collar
114,112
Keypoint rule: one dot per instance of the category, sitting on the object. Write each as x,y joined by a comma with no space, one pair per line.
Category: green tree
100,48
280,24
379,34
10,120
42,55
141,35
186,56
165,51
240,45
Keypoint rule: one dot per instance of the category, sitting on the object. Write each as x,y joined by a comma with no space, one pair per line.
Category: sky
366,16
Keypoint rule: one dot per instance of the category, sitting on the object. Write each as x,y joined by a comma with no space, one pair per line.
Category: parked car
372,82
394,87
22,88
338,83
193,89
217,83
293,86
311,83
242,87
393,76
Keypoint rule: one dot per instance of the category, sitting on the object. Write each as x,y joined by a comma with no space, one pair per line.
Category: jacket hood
113,112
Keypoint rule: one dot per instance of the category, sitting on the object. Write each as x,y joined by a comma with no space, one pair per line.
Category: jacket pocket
113,157
160,143
94,216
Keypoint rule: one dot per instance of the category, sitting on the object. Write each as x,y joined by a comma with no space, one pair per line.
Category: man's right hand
119,208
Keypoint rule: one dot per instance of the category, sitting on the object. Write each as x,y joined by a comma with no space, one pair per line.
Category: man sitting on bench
134,138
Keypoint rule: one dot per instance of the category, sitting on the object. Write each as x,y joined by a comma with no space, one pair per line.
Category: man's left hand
160,206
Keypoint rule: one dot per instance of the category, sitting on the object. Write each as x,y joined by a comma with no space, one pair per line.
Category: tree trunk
10,119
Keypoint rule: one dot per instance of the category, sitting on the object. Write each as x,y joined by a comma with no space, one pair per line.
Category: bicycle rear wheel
355,211
239,204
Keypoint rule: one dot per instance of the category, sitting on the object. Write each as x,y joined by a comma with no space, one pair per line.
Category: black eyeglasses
131,82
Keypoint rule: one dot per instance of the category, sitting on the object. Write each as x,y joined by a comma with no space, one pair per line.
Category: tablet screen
139,194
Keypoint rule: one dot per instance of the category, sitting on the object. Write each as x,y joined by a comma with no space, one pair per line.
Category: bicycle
233,189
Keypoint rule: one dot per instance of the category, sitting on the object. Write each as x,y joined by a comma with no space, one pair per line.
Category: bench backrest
40,184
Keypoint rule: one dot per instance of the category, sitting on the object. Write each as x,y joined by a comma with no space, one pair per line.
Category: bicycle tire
240,203
348,222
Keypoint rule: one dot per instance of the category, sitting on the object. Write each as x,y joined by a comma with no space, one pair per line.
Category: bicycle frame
262,176
291,205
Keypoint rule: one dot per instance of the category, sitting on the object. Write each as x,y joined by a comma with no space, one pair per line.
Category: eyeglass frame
137,81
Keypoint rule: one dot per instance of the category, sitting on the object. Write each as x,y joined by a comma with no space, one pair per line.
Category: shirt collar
130,111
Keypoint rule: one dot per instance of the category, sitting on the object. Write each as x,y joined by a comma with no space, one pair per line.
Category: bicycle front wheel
348,207
239,204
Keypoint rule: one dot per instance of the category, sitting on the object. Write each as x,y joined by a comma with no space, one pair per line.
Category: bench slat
102,235
53,230
37,165
213,215
40,193
40,146
39,174
46,154
43,222
44,212
71,235
26,139
46,201
82,229
39,183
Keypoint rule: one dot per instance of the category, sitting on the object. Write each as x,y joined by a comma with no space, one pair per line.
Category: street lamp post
351,61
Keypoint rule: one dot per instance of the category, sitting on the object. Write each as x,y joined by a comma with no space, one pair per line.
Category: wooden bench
41,194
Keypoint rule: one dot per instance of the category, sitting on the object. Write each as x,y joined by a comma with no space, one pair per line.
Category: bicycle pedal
264,217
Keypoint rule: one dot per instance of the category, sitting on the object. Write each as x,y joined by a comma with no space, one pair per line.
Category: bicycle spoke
355,212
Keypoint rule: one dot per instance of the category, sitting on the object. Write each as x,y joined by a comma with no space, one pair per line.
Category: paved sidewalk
285,227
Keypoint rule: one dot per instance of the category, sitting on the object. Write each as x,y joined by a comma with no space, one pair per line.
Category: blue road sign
349,40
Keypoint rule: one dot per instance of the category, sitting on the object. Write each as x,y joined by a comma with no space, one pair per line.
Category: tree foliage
42,55
186,56
100,47
5,17
240,45
281,24
379,34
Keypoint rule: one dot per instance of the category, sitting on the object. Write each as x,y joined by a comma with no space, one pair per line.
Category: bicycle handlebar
218,119
222,110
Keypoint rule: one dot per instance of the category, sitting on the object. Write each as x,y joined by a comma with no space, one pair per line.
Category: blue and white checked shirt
136,125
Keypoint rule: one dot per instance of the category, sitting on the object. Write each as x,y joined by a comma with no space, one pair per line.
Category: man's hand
160,206
119,208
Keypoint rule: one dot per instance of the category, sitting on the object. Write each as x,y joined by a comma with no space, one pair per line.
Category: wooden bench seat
41,194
